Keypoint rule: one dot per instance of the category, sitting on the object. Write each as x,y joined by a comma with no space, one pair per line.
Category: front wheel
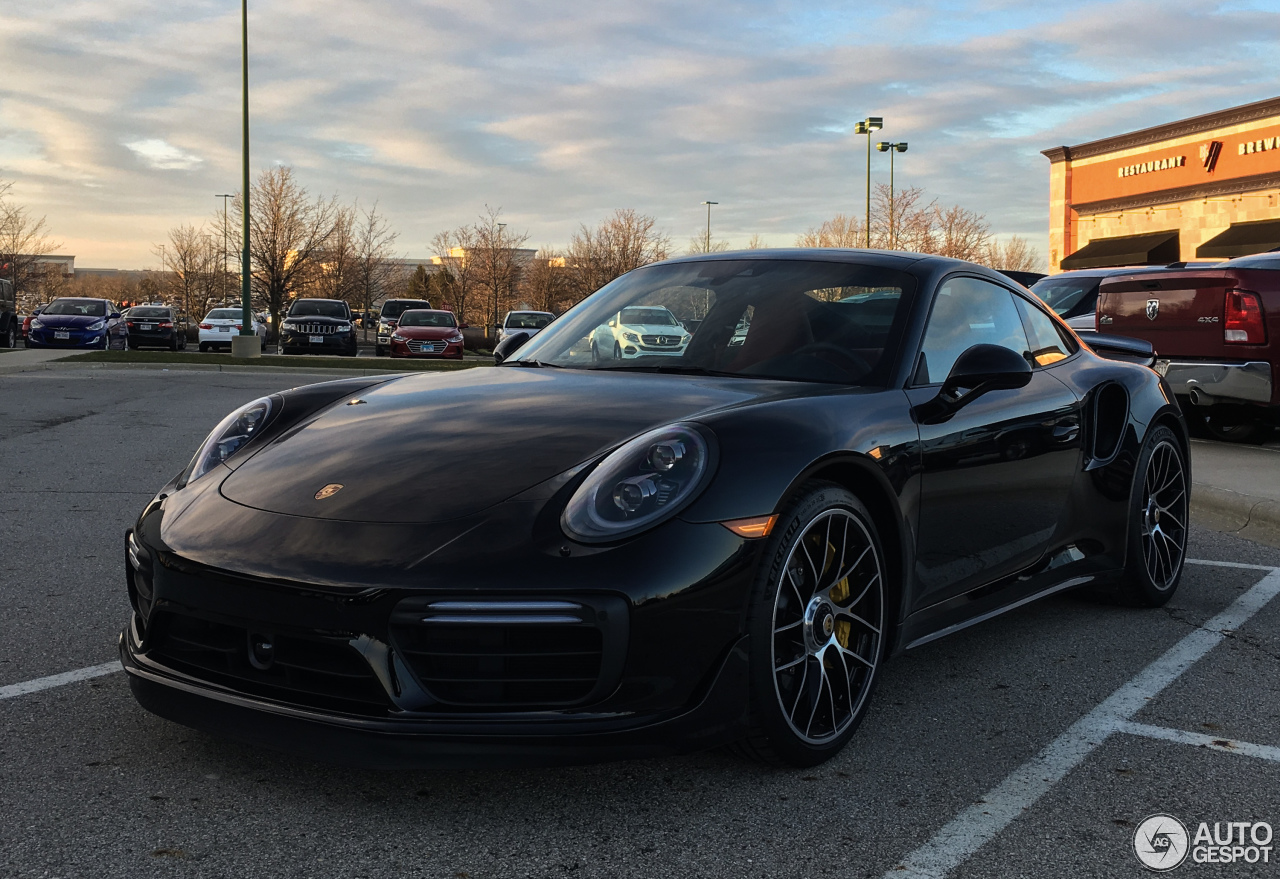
1158,509
816,622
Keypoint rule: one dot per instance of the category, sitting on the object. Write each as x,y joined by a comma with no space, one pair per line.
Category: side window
968,312
1048,345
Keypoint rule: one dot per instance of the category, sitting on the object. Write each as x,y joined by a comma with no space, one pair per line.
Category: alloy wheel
1164,514
828,617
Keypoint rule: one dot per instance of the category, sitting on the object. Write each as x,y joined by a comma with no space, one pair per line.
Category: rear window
528,320
394,308
1063,294
143,311
224,314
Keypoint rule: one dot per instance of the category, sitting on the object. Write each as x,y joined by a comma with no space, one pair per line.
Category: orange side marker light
756,526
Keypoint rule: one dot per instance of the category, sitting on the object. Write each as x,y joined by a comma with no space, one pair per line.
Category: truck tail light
1244,323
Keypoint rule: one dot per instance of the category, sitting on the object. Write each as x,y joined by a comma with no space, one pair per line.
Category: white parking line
960,838
1215,564
67,677
1214,743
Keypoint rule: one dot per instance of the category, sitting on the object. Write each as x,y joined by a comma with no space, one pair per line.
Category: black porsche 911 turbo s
567,558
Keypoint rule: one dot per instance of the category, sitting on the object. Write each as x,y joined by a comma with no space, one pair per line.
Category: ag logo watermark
1162,842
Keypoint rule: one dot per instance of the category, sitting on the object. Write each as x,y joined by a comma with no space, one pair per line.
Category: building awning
1151,249
1242,239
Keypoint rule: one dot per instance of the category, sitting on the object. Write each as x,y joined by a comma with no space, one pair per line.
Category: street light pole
891,148
493,267
246,343
866,126
707,246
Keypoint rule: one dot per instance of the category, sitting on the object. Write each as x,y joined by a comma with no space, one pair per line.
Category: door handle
1065,433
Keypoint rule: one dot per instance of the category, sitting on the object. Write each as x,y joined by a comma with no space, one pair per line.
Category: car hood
68,320
427,448
427,332
654,329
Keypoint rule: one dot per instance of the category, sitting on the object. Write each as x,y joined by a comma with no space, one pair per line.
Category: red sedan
427,333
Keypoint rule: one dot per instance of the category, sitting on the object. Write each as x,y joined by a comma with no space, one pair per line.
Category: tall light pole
866,126
246,344
223,286
709,204
493,267
891,148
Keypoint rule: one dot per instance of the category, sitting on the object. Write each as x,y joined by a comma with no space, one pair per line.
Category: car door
996,476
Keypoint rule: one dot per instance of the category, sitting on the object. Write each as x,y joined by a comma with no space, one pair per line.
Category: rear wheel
10,337
1158,522
204,346
379,351
816,622
1231,424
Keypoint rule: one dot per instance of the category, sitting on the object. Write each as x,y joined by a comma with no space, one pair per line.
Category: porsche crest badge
329,490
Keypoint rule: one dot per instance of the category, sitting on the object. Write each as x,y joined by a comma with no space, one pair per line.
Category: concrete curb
1220,509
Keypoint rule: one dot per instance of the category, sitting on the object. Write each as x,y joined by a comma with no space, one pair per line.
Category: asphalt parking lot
1032,745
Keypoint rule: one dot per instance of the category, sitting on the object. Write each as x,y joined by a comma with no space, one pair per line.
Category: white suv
639,331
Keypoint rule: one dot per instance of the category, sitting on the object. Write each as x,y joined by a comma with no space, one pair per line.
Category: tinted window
528,320
761,318
1049,345
392,309
225,314
427,319
143,311
83,307
1064,294
968,312
318,308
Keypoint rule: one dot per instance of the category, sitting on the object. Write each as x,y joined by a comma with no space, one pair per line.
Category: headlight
289,325
632,337
396,337
384,327
456,337
231,435
644,482
343,328
96,325
36,324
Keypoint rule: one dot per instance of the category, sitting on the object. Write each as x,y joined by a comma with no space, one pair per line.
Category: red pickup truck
1216,332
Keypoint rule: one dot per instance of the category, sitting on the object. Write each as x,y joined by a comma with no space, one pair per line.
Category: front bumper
331,343
45,338
1207,382
426,349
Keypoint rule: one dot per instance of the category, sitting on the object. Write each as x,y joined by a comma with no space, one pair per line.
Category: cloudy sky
120,119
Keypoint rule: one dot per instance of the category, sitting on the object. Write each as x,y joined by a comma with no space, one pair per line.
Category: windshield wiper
531,363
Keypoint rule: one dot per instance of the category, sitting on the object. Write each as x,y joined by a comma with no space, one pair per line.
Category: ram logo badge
1153,308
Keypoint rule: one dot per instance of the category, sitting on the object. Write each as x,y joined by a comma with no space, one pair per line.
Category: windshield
225,314
80,307
1064,294
396,307
149,312
318,308
786,319
528,320
427,319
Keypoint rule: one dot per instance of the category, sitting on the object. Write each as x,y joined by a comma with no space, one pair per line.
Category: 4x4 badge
329,490
1153,308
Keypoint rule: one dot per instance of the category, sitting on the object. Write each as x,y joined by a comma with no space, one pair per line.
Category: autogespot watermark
1162,842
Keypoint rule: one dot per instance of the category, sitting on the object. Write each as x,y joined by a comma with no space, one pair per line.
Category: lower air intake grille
309,670
512,654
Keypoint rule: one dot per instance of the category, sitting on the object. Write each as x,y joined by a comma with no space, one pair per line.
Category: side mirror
464,326
508,346
613,322
115,315
978,370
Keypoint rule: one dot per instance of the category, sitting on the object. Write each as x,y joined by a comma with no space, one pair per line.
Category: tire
10,337
617,351
595,352
173,346
204,346
379,351
1230,424
1158,508
814,632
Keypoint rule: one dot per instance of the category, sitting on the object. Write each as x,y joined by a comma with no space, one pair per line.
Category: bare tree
500,267
698,244
191,261
456,251
900,220
1015,255
621,242
24,242
757,243
960,233
288,233
840,231
374,270
333,271
546,282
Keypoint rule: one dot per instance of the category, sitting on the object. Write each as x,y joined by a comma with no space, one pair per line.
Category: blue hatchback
78,323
